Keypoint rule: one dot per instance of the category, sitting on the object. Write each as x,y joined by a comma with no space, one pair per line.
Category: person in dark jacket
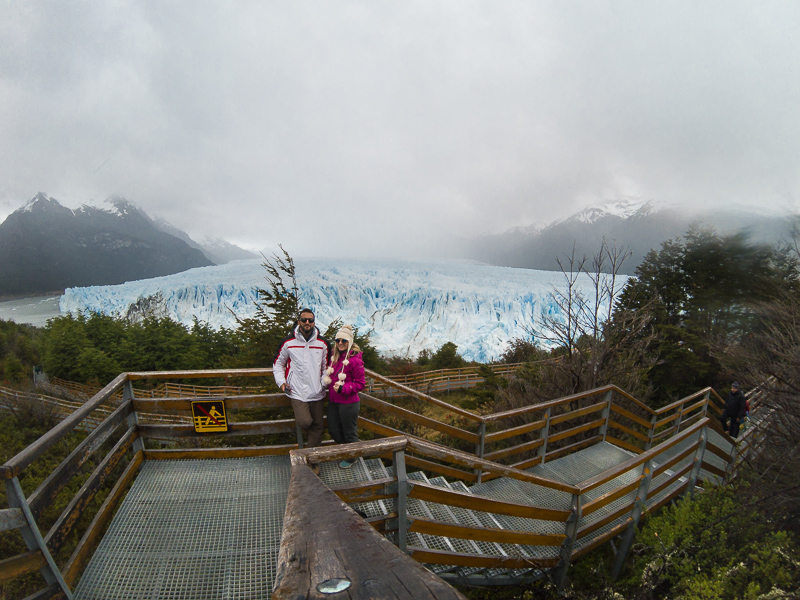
735,410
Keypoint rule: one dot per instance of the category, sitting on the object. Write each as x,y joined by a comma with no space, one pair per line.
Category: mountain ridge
46,247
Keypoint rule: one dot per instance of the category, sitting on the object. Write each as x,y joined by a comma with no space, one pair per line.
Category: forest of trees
702,310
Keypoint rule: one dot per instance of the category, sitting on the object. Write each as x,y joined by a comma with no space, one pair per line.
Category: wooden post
606,415
678,421
543,433
698,459
133,418
33,537
480,447
707,398
636,515
651,434
571,531
399,459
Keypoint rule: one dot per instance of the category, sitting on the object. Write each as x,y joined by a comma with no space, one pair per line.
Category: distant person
735,411
346,372
298,370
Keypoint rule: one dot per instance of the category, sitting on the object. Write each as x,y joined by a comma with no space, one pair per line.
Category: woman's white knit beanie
344,333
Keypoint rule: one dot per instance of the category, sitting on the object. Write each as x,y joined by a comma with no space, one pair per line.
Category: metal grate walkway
211,529
193,529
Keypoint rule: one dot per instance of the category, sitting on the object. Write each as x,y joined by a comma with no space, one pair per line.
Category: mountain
46,247
637,225
217,250
405,307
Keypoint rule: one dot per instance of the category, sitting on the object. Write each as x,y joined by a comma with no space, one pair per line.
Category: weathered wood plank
580,412
427,465
713,470
629,415
91,537
61,529
206,374
412,392
519,449
628,430
665,484
61,476
439,557
40,446
430,493
378,489
484,534
631,463
553,454
183,406
623,444
611,496
675,459
575,431
12,518
515,431
609,518
419,419
327,539
602,539
167,432
22,564
201,453
471,462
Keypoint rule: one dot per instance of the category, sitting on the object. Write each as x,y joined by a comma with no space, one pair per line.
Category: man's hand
285,388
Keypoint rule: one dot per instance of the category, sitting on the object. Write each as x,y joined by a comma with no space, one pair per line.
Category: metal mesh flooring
193,529
211,528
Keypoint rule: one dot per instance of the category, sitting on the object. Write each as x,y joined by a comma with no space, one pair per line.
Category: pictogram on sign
209,416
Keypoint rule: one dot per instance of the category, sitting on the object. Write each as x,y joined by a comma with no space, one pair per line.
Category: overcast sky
378,127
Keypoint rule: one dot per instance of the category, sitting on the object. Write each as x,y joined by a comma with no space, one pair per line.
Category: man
298,369
735,410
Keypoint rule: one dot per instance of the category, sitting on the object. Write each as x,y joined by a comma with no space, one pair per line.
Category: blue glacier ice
406,307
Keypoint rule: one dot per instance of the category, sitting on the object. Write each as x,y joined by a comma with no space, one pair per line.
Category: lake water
34,311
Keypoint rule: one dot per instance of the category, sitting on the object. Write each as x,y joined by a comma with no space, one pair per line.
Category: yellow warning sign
209,416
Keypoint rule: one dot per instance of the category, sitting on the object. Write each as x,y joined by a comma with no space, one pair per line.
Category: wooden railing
580,532
472,447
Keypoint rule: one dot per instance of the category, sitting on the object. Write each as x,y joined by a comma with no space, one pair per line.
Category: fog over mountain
635,225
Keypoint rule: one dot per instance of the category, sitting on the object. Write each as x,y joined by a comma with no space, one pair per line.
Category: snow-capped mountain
406,307
46,247
634,224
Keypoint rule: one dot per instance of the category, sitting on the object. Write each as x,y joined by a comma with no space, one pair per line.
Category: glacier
406,307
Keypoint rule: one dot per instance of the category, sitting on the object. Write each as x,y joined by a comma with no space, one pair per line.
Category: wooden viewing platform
502,498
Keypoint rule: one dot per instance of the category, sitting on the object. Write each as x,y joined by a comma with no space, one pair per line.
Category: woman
346,371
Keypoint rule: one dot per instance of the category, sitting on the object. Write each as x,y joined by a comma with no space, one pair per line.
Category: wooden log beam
323,538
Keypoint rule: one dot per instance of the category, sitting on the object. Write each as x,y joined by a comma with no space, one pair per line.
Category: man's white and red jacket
300,364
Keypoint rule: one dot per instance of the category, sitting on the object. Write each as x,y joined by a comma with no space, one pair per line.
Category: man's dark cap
735,384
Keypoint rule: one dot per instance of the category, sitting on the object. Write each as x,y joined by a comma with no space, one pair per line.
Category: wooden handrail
40,446
417,394
608,475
